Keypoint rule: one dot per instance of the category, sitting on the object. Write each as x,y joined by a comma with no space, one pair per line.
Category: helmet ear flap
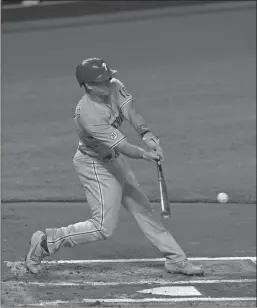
87,88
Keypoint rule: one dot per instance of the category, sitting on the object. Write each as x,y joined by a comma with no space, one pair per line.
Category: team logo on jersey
104,65
114,136
124,92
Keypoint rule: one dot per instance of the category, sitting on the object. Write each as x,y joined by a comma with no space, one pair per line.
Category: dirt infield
133,283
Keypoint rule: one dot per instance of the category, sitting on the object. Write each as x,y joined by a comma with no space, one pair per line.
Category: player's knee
105,229
107,232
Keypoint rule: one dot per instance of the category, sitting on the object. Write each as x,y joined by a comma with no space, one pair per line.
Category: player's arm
133,151
111,137
139,124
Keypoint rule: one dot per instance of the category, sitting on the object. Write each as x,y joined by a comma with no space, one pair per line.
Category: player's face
101,88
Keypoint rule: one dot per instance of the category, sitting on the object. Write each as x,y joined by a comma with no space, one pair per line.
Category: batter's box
129,271
128,280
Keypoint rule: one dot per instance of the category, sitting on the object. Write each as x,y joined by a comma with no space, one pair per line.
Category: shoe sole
183,273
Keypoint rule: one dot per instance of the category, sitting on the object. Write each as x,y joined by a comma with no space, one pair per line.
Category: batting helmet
93,70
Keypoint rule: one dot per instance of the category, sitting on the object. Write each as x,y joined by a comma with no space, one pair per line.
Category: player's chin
106,93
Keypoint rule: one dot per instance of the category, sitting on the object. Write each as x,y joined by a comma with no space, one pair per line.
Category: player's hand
159,152
153,143
151,156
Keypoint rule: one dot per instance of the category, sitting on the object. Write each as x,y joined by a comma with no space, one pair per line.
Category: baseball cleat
36,252
184,267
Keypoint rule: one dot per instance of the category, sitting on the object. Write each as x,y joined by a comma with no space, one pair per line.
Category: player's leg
137,203
103,188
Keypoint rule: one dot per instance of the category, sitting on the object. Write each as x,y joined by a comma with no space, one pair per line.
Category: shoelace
186,263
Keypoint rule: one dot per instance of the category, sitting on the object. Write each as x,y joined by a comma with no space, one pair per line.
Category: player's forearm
139,124
137,121
130,150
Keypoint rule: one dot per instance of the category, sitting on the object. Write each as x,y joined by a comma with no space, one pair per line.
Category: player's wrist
147,135
150,140
142,154
143,129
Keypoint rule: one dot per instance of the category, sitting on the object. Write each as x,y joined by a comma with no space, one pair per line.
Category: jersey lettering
77,112
118,120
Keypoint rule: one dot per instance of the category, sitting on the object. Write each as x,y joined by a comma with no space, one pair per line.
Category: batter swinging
105,174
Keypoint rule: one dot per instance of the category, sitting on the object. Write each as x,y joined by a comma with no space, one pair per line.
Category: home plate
173,291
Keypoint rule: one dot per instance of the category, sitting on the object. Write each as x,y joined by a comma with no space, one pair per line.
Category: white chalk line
143,300
137,260
138,282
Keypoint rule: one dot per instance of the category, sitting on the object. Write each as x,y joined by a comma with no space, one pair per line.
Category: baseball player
105,174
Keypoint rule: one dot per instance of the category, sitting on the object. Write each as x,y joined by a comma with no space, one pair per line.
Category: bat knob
165,216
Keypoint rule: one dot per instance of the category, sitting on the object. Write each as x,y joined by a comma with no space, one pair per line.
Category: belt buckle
107,157
110,156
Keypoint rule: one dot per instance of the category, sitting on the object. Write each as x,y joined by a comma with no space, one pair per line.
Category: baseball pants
108,185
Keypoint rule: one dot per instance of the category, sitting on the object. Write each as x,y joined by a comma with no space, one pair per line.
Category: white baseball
222,197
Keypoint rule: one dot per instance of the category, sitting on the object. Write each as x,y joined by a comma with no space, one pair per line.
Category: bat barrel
165,207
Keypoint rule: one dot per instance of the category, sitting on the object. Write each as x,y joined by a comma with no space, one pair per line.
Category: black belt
106,157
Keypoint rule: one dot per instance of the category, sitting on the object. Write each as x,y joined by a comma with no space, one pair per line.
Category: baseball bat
165,206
